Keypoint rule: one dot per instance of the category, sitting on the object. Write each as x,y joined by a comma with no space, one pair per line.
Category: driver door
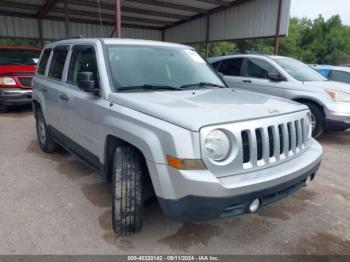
85,110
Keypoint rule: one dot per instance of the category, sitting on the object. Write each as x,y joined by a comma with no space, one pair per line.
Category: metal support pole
278,27
40,30
66,18
207,37
118,19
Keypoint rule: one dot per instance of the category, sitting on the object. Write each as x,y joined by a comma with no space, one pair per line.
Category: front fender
155,138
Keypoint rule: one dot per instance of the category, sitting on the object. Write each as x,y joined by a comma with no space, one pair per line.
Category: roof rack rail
68,38
248,52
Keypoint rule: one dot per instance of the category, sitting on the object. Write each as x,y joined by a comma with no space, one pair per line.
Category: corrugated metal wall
18,27
148,34
190,32
27,27
253,19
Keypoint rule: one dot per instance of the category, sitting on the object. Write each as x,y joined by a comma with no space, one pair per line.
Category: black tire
127,201
3,108
45,139
317,115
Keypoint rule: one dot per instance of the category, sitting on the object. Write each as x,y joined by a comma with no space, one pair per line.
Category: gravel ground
53,204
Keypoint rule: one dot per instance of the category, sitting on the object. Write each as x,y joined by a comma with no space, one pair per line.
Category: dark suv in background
17,68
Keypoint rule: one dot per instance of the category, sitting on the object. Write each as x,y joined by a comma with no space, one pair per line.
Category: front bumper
337,116
15,96
198,195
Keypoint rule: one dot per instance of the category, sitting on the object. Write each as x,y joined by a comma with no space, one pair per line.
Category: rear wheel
127,202
317,120
45,139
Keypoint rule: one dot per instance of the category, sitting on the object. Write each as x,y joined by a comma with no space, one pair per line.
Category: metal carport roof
186,21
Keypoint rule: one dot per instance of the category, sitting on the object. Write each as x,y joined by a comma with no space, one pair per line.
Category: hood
13,69
329,85
198,108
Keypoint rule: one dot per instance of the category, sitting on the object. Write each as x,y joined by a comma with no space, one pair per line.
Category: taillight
7,81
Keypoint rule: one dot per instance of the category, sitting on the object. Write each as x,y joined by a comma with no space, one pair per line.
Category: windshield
154,66
299,70
19,57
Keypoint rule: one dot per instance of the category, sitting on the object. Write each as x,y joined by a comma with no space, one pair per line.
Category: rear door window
216,65
43,61
57,62
339,76
231,67
83,59
257,68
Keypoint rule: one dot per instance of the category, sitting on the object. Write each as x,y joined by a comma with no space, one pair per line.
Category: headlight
217,145
7,81
339,96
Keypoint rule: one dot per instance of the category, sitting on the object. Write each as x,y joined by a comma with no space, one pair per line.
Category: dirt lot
53,204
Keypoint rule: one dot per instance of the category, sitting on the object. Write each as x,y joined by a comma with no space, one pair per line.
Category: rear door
54,85
49,81
255,77
231,69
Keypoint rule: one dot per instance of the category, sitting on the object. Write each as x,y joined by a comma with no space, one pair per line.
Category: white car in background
285,77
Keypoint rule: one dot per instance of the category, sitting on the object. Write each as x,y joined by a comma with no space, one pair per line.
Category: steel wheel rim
42,130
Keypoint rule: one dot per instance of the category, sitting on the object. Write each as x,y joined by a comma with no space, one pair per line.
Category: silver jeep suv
155,118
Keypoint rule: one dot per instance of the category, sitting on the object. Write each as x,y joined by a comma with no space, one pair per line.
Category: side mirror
276,77
87,82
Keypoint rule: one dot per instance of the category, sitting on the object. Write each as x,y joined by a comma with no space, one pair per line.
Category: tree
19,42
327,42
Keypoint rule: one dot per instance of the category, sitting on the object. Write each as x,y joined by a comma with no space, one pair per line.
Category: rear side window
216,65
231,67
43,61
340,76
83,59
57,62
258,68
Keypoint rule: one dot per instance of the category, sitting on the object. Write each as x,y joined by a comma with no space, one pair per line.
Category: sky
312,8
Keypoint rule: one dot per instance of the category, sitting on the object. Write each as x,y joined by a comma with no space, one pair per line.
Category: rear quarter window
231,67
43,61
216,65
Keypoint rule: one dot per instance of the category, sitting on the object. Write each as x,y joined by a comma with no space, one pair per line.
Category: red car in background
17,68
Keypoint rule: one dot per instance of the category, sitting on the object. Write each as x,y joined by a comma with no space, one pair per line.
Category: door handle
64,97
247,81
44,89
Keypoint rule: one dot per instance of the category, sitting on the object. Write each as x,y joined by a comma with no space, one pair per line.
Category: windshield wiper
149,87
203,84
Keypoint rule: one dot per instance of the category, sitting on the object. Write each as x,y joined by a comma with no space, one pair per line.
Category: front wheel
317,120
127,202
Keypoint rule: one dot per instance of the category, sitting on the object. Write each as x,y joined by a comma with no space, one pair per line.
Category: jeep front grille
268,145
261,143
